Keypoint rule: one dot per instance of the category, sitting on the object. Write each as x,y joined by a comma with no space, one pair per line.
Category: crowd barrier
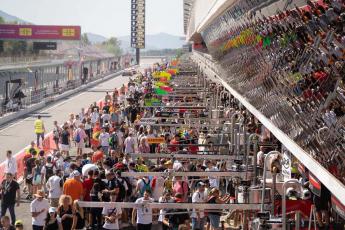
48,146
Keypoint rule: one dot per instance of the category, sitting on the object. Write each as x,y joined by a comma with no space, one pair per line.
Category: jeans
105,150
198,224
10,208
38,135
214,220
144,226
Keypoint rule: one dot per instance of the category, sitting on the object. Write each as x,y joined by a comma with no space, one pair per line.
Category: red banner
38,32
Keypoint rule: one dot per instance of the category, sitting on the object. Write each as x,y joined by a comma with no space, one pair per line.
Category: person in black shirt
10,194
65,141
111,188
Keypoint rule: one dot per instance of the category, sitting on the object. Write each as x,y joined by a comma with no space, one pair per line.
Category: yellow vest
39,126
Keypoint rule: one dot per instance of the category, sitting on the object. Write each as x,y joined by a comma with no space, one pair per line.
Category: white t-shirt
159,188
53,186
37,206
104,138
198,197
111,211
94,117
214,181
129,145
144,215
163,211
11,166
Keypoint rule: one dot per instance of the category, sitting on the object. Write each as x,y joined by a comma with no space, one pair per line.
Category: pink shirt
181,187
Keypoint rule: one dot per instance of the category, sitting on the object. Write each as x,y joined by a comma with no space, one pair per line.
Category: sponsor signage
156,140
38,32
148,121
44,45
138,24
314,185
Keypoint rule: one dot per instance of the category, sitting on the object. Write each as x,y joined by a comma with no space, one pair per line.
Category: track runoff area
158,152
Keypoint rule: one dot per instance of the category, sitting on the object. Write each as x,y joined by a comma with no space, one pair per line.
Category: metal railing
46,93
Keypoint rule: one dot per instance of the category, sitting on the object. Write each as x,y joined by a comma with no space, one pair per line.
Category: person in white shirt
10,164
214,181
198,216
54,187
111,215
129,144
104,139
166,198
39,209
94,117
144,214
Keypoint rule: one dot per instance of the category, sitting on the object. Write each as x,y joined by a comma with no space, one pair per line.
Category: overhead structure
138,26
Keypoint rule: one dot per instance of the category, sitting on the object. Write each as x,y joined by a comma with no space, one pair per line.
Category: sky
104,17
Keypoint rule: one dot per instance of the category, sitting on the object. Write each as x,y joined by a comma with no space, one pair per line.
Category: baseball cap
75,173
52,210
198,185
18,223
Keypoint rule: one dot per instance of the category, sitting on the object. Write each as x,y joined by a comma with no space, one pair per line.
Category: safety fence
45,93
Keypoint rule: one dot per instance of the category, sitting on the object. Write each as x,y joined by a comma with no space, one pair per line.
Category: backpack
77,137
114,140
122,190
49,171
146,187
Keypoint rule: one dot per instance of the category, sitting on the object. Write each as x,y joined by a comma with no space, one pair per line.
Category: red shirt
173,148
87,185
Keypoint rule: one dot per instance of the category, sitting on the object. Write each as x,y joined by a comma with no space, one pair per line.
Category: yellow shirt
39,126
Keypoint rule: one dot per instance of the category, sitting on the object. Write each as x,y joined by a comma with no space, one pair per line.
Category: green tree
2,20
113,45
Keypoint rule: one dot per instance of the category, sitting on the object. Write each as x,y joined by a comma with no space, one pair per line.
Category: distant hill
10,18
156,41
96,38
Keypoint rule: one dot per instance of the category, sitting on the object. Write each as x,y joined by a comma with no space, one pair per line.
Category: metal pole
291,181
255,152
137,55
264,179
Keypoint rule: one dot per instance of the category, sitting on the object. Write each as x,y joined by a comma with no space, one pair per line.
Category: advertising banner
38,32
156,140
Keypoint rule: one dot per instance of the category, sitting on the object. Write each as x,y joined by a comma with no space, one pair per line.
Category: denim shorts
214,220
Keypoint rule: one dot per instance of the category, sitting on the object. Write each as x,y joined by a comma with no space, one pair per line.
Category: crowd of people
92,150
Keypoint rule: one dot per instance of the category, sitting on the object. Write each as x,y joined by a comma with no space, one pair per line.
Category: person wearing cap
52,222
39,208
19,225
198,217
74,187
10,193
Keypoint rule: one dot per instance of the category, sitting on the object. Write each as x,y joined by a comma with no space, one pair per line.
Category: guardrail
337,188
46,94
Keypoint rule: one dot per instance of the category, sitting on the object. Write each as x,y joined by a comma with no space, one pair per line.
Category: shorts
37,180
28,180
80,145
64,147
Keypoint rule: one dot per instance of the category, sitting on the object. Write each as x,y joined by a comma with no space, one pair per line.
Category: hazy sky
104,17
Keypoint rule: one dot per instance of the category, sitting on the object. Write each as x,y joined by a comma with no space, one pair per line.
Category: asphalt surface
20,133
